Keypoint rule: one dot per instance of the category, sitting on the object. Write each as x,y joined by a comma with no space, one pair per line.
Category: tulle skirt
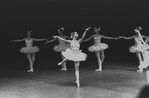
74,55
136,48
61,47
29,49
99,47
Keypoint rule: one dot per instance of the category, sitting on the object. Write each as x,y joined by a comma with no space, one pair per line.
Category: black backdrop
45,17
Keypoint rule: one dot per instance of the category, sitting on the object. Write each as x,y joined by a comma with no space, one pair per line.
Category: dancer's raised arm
81,39
62,39
19,40
139,34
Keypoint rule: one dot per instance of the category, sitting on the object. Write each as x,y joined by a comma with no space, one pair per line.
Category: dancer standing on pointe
145,49
74,53
30,50
98,47
138,44
62,46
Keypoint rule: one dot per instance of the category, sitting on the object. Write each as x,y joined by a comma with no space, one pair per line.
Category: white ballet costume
97,46
29,48
145,63
138,47
73,53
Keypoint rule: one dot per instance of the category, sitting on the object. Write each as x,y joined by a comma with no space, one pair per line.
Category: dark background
45,17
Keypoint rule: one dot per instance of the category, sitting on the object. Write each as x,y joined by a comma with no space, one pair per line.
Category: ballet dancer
98,47
138,43
145,49
74,53
30,50
62,46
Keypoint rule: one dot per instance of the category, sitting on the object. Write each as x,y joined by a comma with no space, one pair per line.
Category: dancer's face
74,35
28,33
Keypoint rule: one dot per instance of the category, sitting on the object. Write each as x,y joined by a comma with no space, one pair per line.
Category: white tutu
136,48
99,47
74,55
29,49
145,63
61,47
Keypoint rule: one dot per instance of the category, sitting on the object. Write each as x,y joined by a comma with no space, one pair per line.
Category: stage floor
53,83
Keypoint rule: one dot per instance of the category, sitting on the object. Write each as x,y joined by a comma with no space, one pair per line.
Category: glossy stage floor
112,82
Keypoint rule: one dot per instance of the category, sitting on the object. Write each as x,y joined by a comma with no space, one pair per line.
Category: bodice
75,45
29,42
137,40
97,39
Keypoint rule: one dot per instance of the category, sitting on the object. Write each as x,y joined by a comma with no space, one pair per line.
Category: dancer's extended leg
99,61
64,64
31,63
140,61
77,73
147,76
60,63
33,58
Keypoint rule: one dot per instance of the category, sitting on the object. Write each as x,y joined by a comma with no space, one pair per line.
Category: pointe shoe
63,69
78,84
98,69
31,70
60,63
140,70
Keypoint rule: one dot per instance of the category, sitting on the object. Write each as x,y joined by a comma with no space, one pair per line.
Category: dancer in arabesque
30,50
98,47
74,53
62,46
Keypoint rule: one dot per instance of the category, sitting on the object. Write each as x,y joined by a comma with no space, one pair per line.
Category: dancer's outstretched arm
67,37
62,39
81,39
19,40
39,39
131,37
144,36
51,40
88,38
106,37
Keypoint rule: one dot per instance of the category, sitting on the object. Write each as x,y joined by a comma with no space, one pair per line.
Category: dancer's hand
88,28
119,37
55,36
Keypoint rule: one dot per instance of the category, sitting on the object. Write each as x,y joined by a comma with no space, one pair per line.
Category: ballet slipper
31,70
63,69
140,70
78,84
98,69
60,63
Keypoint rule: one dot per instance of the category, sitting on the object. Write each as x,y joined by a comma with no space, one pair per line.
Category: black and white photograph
74,49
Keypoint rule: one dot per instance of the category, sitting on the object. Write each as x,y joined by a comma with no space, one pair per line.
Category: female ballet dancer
98,47
145,49
30,50
138,43
74,53
62,46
